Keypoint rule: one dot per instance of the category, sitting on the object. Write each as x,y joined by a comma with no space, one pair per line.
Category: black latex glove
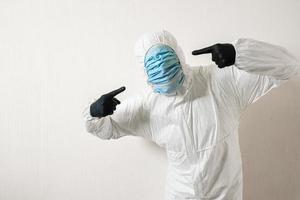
222,54
106,104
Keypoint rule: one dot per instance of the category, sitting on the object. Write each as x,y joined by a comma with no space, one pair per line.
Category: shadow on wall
270,145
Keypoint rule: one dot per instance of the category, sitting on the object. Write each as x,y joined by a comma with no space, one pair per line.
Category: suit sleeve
130,118
258,68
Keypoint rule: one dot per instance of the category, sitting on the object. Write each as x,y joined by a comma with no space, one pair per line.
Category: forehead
158,49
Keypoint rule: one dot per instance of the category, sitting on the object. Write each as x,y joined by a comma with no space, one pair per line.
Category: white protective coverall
198,127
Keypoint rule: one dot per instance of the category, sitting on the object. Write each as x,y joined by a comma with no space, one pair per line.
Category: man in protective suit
194,112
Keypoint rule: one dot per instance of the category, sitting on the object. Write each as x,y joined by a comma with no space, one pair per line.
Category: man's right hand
106,104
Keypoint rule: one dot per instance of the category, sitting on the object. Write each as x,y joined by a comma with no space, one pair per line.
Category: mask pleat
163,69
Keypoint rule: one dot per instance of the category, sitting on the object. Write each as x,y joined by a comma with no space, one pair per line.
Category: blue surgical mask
163,69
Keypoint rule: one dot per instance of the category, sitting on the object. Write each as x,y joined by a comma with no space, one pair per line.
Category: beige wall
56,55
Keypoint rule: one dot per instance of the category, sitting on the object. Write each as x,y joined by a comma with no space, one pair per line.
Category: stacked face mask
163,69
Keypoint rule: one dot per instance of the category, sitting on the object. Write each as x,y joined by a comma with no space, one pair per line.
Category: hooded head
163,62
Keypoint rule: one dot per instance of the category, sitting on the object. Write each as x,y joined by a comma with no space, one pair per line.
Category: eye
158,56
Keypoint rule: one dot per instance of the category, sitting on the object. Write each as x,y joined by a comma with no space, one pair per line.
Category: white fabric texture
199,126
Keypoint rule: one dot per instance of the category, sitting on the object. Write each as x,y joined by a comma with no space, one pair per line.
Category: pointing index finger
115,92
203,51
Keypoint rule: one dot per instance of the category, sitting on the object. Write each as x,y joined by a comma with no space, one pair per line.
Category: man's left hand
222,54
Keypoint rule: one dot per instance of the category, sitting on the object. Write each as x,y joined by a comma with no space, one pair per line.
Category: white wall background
57,55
